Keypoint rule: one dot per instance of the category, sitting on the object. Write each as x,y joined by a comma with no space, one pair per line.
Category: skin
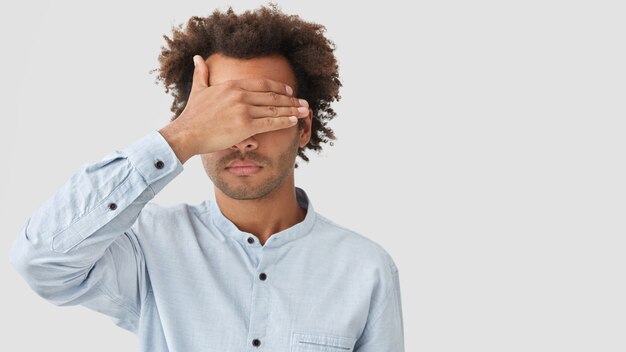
263,203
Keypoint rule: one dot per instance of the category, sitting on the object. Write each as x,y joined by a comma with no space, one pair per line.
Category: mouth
244,170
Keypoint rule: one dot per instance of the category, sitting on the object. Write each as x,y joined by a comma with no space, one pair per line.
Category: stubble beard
248,187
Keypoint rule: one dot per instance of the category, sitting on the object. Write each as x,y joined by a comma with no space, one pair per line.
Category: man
255,269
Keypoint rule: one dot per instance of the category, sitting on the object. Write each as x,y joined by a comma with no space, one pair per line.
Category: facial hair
251,187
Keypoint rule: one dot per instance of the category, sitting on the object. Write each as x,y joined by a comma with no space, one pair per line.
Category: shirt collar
230,230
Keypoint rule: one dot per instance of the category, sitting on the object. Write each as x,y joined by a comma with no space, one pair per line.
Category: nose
247,144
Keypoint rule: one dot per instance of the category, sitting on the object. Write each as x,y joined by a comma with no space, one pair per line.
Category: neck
263,217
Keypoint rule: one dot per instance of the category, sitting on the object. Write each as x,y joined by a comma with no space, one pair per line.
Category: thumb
200,73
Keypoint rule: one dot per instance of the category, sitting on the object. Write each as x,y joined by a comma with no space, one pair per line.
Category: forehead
223,68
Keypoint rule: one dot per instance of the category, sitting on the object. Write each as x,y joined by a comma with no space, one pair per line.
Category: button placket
260,304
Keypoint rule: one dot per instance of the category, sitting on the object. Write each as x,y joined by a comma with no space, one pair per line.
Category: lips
243,168
238,163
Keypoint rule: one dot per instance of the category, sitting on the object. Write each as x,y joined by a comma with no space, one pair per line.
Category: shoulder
155,216
157,210
351,244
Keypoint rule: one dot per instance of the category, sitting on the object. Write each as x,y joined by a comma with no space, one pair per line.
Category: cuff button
159,164
112,206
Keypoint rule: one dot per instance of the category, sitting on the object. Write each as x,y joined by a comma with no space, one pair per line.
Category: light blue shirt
184,278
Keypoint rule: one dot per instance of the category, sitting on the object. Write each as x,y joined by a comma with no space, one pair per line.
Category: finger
200,73
267,124
272,98
275,111
265,85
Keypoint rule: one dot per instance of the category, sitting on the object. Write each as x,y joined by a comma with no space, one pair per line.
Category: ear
305,130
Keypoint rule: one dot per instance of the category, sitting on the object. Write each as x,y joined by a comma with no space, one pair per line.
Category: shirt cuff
154,159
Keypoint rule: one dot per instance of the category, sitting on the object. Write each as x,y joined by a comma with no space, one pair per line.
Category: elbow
22,258
45,272
38,275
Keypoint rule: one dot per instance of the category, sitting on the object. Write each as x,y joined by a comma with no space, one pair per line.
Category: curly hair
262,32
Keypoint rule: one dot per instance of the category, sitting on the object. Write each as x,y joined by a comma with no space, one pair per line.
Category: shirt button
159,164
262,276
250,240
256,342
112,206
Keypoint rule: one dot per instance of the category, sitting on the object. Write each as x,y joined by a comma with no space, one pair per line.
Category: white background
480,142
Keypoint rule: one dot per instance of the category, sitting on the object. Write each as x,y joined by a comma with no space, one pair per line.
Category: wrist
178,140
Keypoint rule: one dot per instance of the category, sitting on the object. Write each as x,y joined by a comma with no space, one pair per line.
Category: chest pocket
315,342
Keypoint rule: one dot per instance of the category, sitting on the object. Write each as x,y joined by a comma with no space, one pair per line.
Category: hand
224,114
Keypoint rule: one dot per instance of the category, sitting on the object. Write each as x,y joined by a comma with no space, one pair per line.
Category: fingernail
303,102
303,110
289,90
293,118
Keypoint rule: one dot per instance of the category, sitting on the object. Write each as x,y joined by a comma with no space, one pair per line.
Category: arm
384,330
80,246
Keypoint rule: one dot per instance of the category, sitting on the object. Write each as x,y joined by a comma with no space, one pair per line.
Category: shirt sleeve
80,246
384,330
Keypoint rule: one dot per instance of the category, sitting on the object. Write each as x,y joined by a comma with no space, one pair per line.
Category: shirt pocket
317,342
